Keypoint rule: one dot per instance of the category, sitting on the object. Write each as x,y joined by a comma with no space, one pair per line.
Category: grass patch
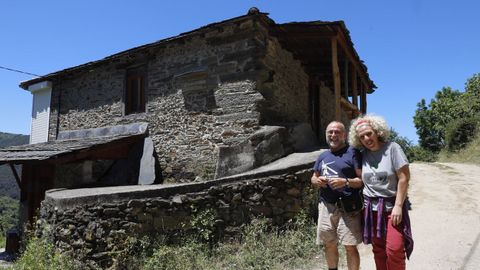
469,154
258,246
39,254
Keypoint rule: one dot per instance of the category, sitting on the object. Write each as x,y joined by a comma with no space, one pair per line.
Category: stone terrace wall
201,94
91,226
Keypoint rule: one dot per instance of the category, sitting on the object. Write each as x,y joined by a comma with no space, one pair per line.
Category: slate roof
72,142
306,39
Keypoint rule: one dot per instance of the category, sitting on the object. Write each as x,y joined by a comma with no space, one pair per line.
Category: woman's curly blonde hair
378,124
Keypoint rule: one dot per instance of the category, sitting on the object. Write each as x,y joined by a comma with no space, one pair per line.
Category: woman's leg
379,247
395,246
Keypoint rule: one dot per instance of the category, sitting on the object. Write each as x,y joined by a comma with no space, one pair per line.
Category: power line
19,71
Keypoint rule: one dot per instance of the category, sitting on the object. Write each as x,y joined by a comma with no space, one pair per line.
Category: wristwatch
348,182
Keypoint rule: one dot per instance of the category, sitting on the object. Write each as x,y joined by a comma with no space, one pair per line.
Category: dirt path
445,217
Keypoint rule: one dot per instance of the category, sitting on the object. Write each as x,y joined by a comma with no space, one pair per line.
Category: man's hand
336,182
319,181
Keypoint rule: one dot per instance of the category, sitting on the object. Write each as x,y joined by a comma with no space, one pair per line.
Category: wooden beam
285,33
14,171
336,79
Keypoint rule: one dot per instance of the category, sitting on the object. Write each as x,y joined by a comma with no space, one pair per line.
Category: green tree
432,120
404,142
471,98
429,138
447,107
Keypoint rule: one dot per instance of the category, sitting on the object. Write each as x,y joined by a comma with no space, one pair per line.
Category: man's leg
350,235
353,258
331,254
328,218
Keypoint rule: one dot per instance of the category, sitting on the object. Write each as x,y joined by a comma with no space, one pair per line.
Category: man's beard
339,142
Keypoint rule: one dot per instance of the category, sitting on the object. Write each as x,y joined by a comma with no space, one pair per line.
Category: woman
385,174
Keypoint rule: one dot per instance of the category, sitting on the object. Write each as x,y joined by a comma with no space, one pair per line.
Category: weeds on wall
259,246
203,225
39,254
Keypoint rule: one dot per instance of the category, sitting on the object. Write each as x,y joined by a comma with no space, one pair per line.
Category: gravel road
445,217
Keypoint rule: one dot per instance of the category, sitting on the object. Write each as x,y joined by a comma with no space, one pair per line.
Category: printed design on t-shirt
327,171
376,177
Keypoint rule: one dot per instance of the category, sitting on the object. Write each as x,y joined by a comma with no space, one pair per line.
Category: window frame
135,86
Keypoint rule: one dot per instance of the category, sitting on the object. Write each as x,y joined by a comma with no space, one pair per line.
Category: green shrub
189,255
419,153
39,254
469,154
460,132
8,216
203,225
260,246
8,213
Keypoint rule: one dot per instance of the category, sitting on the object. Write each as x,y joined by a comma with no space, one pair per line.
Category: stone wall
327,107
201,94
90,224
284,84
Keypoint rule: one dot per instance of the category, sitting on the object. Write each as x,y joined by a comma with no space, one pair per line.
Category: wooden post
345,78
354,87
336,79
354,60
363,100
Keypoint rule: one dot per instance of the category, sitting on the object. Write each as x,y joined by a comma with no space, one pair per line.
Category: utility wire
19,71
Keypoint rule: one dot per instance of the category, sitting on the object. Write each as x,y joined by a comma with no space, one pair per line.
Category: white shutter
42,93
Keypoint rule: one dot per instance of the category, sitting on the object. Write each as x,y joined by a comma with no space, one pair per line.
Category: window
135,91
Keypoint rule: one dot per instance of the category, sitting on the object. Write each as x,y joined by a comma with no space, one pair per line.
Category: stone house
216,101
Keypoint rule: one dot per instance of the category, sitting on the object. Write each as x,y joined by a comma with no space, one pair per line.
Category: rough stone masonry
92,224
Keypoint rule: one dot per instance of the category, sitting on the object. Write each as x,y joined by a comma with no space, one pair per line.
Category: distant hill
8,139
8,185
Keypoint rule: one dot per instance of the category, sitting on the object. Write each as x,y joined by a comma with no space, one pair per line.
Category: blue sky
412,48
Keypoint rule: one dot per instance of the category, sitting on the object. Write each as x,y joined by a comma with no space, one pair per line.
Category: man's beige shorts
335,225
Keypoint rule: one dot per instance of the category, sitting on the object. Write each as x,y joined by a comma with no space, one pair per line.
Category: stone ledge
66,198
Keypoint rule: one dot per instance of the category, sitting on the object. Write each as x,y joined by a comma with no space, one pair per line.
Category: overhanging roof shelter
40,161
99,143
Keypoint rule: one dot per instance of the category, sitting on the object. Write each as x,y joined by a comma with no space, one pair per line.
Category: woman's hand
396,215
403,175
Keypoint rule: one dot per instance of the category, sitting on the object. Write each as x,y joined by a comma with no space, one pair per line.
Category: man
337,174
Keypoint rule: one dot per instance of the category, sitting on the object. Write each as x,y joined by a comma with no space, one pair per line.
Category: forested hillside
8,139
8,185
9,191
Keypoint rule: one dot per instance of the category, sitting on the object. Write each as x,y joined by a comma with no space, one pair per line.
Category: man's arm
357,181
338,182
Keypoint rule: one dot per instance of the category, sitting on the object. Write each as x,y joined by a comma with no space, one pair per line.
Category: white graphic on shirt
326,170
